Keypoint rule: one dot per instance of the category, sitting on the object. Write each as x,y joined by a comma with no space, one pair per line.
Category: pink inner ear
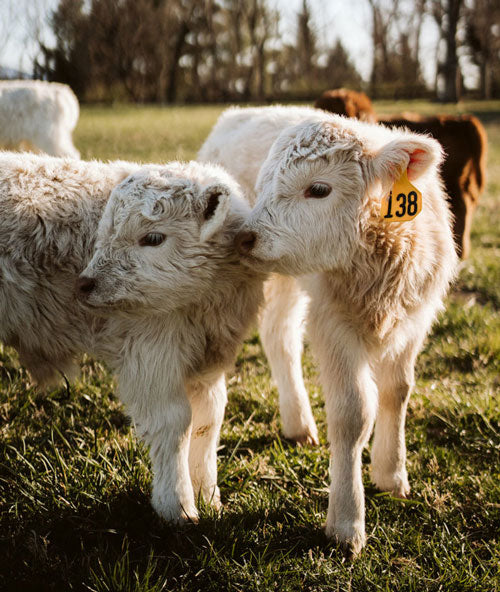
417,158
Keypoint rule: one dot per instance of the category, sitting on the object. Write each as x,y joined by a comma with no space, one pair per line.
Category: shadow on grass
254,444
61,552
465,361
475,436
73,549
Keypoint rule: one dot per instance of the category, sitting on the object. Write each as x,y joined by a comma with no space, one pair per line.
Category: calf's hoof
397,485
350,537
306,435
182,519
211,496
175,513
305,440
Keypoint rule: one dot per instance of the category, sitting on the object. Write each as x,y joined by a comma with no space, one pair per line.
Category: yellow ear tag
403,203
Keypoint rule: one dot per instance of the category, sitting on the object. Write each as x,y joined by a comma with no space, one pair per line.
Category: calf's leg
351,400
281,331
156,400
208,402
395,380
172,496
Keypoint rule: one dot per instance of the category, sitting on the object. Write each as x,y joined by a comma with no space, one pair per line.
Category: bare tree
68,61
228,49
306,44
218,50
483,39
260,24
179,23
447,14
396,29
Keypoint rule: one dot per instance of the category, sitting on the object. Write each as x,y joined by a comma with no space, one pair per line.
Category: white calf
375,284
43,114
164,299
166,275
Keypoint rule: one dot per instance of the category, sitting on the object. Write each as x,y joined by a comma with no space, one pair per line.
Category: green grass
144,134
75,483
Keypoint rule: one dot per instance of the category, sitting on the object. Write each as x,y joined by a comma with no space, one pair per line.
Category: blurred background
190,51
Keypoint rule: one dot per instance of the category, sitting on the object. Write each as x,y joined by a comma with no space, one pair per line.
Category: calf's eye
152,239
318,190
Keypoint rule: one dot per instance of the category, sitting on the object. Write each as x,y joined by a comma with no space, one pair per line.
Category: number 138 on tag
403,203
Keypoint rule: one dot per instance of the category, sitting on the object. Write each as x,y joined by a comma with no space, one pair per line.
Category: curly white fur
41,114
168,318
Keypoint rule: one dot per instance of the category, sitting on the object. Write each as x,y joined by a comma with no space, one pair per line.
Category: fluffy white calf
163,297
375,284
43,114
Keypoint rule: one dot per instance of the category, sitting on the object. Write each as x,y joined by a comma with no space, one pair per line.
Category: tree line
232,50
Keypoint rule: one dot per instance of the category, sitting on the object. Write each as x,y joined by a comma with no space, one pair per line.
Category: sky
16,17
348,21
333,20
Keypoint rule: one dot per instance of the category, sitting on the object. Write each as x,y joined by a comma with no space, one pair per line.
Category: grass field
75,484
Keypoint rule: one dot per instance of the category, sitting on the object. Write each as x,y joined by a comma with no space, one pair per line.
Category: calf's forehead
134,200
319,140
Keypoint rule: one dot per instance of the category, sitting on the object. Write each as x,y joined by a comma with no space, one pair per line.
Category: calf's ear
214,206
413,152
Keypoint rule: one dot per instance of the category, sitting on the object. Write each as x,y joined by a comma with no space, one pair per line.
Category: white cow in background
40,114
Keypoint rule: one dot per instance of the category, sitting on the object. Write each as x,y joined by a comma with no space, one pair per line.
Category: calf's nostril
85,285
245,241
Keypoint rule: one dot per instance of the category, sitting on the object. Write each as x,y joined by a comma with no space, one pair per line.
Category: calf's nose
85,285
245,241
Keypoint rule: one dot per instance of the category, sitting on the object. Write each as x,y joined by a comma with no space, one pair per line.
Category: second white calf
164,299
375,284
168,280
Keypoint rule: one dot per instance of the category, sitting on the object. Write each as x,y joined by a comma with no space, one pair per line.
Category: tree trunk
174,64
451,69
485,78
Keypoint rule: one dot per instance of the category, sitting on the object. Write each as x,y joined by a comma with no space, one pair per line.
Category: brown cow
347,102
464,141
